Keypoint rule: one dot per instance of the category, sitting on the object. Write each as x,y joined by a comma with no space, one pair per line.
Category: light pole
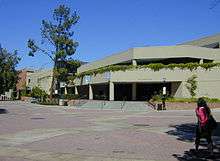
164,94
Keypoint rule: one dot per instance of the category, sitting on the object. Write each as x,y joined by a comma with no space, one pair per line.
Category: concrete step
136,106
118,105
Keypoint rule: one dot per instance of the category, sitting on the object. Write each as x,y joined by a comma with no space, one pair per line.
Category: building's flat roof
204,41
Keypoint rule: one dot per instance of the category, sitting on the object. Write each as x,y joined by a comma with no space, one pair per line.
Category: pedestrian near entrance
206,124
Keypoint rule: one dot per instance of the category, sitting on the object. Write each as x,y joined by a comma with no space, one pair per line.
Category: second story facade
203,51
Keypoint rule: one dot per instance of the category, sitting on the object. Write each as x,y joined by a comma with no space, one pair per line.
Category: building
43,78
22,77
22,80
139,83
40,78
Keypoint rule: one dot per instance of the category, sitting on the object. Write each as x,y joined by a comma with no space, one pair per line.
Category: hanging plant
155,67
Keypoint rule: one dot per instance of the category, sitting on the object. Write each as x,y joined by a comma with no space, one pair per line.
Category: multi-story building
22,80
40,78
141,83
43,78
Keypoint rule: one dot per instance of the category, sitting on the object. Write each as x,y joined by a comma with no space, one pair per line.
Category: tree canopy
8,73
57,34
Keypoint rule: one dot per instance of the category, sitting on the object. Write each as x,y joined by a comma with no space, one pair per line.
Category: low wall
4,98
23,98
187,105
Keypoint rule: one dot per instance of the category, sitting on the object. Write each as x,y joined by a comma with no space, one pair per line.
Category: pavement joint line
31,136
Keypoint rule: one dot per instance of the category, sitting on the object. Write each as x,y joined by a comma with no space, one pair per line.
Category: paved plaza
30,132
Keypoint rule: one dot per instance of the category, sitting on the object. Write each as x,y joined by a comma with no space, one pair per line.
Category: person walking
205,126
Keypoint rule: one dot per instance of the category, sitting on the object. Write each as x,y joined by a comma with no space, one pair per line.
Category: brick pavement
44,133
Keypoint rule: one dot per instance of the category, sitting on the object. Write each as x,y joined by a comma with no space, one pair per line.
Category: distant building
22,76
22,80
43,78
40,78
142,84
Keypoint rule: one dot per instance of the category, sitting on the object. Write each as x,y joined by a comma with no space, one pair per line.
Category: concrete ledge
187,105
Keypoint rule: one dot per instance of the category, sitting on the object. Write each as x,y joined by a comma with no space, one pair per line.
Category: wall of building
155,53
95,79
22,79
204,41
208,81
181,51
42,79
113,59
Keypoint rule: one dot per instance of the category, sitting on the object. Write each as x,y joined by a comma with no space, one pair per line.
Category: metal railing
123,103
81,101
103,103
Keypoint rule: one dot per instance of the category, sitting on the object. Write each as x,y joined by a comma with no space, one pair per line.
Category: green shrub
49,102
181,100
171,99
152,66
192,85
211,100
71,96
157,98
25,94
155,67
209,66
37,92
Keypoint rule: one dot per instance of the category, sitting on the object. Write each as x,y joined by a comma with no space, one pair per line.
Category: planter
186,105
62,102
25,98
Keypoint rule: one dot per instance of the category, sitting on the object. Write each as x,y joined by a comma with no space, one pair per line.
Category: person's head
201,102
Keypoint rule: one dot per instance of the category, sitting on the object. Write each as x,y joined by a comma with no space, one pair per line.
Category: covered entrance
100,91
138,91
83,91
123,92
145,91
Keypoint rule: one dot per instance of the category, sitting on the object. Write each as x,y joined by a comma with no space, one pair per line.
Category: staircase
112,105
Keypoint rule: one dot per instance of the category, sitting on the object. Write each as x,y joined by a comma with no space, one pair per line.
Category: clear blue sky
108,26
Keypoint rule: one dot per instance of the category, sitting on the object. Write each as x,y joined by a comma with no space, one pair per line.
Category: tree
192,85
58,35
37,92
67,69
8,73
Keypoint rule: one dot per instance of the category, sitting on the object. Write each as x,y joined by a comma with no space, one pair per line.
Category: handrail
123,103
103,103
152,105
80,99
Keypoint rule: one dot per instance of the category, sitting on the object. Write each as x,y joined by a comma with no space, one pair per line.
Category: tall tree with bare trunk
57,34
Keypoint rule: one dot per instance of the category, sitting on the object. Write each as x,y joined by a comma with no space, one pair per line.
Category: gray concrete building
142,84
40,78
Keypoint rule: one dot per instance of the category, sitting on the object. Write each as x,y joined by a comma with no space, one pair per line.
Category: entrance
123,92
146,91
83,91
100,91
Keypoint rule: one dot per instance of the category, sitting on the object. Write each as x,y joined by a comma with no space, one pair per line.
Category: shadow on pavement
3,111
186,133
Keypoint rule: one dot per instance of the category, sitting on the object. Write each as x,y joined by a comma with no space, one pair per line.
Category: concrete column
65,90
134,91
134,62
111,91
201,61
76,90
90,92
